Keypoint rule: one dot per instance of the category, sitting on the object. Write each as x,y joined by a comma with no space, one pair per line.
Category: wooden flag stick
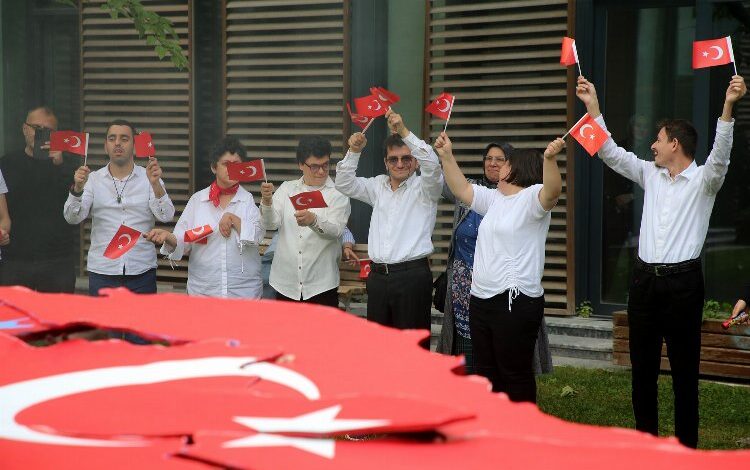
580,74
453,100
368,125
86,152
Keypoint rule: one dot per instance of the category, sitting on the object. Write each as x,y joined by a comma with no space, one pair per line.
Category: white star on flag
150,144
119,247
66,140
705,53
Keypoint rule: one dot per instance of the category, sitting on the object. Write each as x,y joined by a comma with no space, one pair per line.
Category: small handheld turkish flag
122,242
198,234
712,52
69,141
308,200
359,119
364,268
442,106
371,106
247,171
144,145
384,95
589,134
569,53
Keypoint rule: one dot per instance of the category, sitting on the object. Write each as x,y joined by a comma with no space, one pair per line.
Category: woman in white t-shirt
507,299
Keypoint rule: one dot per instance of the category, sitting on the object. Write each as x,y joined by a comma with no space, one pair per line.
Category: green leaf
161,51
150,40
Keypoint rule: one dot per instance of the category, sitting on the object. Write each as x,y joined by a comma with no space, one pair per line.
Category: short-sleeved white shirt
510,246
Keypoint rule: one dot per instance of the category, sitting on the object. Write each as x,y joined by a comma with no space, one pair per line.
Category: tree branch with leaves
157,30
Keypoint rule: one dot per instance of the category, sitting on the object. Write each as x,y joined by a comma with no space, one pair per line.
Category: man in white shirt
665,301
120,193
399,287
305,266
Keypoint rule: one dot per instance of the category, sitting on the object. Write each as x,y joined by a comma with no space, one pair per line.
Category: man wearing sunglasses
305,266
44,248
399,287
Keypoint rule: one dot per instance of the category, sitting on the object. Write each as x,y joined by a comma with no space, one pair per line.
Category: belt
384,268
667,269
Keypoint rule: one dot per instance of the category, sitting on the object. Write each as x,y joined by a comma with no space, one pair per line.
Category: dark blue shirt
465,241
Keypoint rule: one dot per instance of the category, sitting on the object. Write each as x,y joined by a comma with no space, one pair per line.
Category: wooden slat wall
501,61
286,77
123,78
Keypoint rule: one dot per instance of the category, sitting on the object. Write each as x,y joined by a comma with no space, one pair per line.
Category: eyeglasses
488,159
316,168
36,127
406,161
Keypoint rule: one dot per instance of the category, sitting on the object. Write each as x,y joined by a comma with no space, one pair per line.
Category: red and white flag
569,53
589,134
371,106
247,171
364,268
442,106
144,145
69,141
384,95
122,242
359,119
712,52
308,200
198,234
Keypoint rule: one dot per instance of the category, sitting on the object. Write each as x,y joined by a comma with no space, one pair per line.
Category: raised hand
554,148
153,170
443,145
357,142
266,193
736,89
80,177
396,123
586,92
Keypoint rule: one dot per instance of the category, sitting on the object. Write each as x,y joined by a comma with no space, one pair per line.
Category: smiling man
305,266
120,193
665,301
399,287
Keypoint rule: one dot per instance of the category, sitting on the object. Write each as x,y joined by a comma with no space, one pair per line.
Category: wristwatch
73,191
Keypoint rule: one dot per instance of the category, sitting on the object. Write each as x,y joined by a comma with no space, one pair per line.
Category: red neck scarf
216,191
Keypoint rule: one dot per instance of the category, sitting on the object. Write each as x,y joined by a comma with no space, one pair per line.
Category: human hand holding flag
144,145
247,171
125,239
308,200
589,134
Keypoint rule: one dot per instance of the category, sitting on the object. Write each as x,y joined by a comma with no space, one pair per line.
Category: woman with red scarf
226,262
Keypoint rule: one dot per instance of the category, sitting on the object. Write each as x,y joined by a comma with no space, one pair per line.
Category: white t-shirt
510,245
3,188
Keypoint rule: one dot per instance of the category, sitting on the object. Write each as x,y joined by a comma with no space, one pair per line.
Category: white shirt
3,189
510,246
139,209
306,262
402,220
676,211
224,267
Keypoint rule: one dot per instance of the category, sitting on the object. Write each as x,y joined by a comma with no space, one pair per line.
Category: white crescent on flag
78,141
447,105
255,170
199,230
719,52
362,119
383,98
17,397
125,235
297,201
583,128
377,103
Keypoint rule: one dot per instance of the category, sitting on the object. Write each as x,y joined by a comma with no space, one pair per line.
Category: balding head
41,116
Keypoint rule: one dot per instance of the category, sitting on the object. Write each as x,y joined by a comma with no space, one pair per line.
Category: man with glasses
44,249
305,266
399,287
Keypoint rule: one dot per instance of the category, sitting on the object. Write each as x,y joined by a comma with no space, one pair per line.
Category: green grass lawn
602,397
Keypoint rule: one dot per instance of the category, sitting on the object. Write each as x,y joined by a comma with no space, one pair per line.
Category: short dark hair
228,144
312,146
120,122
683,131
393,140
525,167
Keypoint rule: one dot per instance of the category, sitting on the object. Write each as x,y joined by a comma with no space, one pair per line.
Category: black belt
383,268
666,269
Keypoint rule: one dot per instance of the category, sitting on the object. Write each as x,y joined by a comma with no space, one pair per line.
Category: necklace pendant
119,199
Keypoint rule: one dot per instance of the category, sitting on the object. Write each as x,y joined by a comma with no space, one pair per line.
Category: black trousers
40,275
329,298
504,340
666,308
401,299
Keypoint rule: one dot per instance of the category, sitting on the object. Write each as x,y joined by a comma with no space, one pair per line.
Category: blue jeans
144,283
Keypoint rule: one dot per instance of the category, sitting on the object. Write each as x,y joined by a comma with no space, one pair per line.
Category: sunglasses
406,161
316,168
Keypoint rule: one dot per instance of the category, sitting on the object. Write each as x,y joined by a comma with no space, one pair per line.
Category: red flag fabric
144,145
371,106
122,242
198,234
441,106
247,171
712,52
364,268
384,95
569,53
69,141
589,134
359,119
308,200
